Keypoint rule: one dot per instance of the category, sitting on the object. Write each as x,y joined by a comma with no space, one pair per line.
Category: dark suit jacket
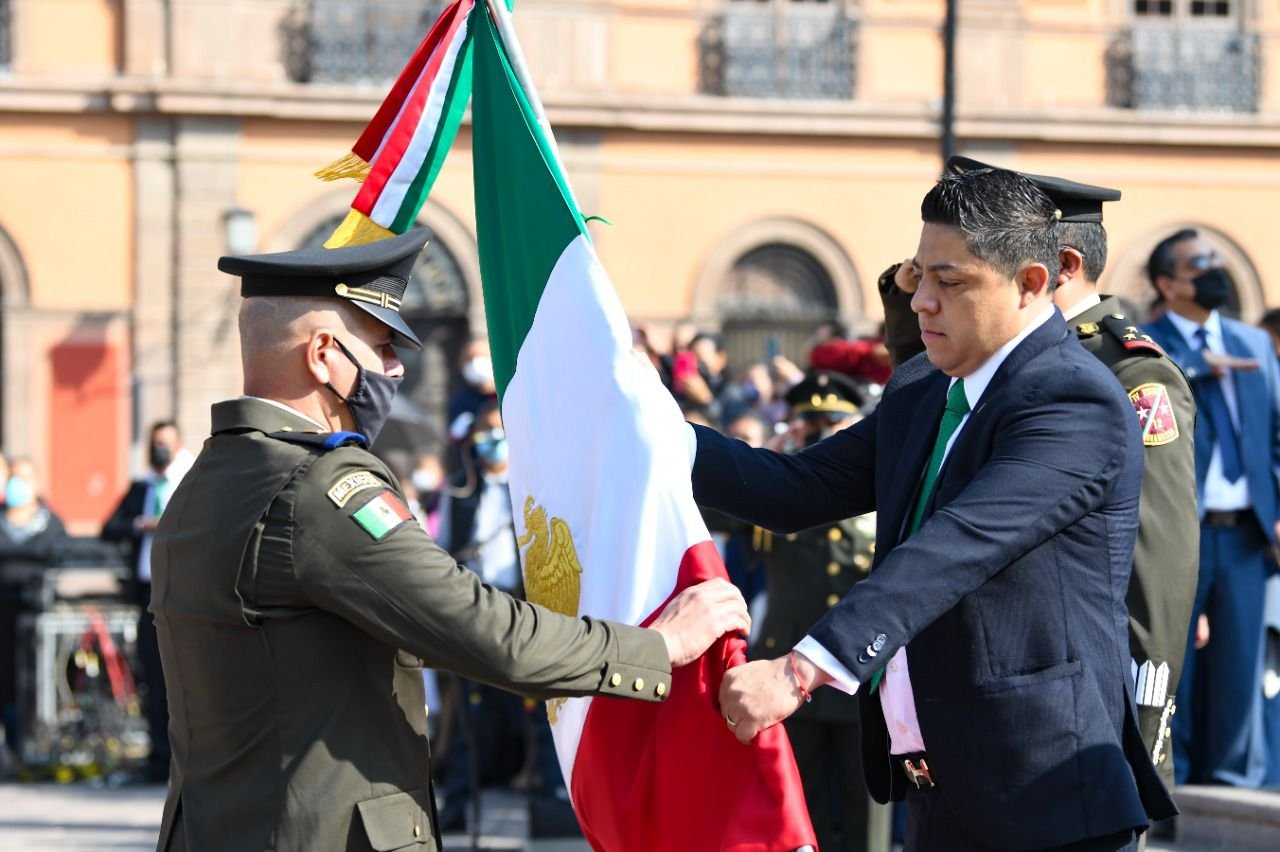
1009,598
1257,401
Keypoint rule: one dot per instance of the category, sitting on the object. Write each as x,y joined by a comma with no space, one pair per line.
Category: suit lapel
925,413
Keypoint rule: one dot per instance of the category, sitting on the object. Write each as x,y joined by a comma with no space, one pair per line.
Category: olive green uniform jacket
293,631
1166,556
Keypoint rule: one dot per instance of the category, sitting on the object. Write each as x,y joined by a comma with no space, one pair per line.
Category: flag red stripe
671,776
402,133
367,145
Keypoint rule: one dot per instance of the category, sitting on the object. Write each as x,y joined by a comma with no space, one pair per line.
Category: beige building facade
760,162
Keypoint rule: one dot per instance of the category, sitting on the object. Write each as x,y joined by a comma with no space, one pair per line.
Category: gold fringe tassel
351,166
356,230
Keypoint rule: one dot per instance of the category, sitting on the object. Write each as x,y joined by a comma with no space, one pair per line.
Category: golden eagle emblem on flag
552,572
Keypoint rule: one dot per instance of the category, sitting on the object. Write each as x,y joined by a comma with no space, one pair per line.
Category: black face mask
370,401
1212,287
161,455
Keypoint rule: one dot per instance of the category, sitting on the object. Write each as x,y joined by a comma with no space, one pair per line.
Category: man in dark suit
1233,374
296,598
995,609
133,523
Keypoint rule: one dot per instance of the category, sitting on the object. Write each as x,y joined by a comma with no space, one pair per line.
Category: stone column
153,272
206,302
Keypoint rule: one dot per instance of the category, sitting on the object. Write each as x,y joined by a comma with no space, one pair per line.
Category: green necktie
957,408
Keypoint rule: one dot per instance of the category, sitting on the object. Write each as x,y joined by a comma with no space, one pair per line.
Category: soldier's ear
318,352
1070,264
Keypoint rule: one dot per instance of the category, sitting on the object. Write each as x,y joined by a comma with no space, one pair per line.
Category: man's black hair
1271,321
163,424
1162,261
1090,239
1007,221
716,340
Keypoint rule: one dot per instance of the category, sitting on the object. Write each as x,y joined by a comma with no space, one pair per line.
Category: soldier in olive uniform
808,573
1166,556
296,599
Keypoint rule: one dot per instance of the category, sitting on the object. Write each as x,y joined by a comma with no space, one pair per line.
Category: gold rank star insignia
1088,329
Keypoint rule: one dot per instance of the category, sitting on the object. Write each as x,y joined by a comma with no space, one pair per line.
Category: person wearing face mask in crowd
1236,382
133,524
428,483
476,369
30,532
296,598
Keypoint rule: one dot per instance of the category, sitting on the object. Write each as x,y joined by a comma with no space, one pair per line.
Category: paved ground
81,818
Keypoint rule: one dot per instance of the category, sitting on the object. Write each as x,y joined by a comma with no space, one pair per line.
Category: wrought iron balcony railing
1196,69
758,53
354,41
6,49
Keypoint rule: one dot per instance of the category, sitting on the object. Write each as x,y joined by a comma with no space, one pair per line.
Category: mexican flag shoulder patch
381,515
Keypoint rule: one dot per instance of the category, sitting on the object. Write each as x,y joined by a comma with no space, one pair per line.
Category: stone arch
15,297
1126,273
708,288
767,285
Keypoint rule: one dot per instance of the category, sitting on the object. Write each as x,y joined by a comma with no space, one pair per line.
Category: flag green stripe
525,215
455,105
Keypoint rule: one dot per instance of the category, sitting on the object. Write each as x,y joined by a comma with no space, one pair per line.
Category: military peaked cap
372,276
1076,202
826,392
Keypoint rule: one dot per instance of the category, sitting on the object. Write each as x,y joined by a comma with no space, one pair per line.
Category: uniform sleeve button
616,680
834,534
638,685
833,569
660,690
832,600
770,642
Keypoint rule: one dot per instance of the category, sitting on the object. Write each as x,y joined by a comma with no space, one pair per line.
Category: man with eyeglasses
1234,377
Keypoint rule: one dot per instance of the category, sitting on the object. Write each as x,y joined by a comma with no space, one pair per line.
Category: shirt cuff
842,678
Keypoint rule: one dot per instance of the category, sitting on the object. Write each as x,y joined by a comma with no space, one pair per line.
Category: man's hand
1202,631
1220,364
755,696
907,278
700,615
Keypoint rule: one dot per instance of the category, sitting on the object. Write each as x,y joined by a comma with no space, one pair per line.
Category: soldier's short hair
1090,239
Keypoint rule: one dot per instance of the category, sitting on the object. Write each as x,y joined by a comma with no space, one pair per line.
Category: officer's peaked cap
1077,202
372,276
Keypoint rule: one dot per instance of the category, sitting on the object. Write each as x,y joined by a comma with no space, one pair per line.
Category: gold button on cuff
834,534
616,680
638,685
769,642
417,830
340,289
791,536
833,569
660,690
832,600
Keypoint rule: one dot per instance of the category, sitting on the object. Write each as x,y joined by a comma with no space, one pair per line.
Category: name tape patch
351,484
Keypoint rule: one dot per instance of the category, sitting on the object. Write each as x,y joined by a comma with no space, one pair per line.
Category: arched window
771,299
13,295
435,306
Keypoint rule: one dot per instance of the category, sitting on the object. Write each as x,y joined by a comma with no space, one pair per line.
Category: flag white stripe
598,441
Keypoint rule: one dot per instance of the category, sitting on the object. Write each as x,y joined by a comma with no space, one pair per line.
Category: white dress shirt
1219,494
896,696
159,488
1081,306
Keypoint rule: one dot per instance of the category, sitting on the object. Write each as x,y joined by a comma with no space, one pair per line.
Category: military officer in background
1166,555
296,599
806,574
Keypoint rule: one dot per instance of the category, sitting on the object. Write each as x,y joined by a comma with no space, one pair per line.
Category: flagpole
506,29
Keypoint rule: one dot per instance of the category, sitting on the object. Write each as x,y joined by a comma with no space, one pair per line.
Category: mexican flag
604,509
